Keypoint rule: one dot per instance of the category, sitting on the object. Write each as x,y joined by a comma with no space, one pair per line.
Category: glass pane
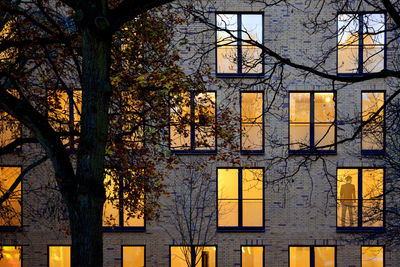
347,195
59,108
372,183
11,256
136,221
252,107
371,102
59,256
205,138
348,59
299,107
9,128
227,59
252,256
348,26
180,256
133,256
228,180
253,213
252,183
374,26
372,134
324,256
252,137
227,48
324,134
228,213
180,122
372,213
251,59
11,211
252,27
206,256
180,137
373,58
299,256
205,121
226,22
299,136
77,106
324,106
111,205
372,256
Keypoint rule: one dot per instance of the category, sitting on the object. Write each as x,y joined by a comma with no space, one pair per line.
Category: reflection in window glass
10,256
59,256
133,256
252,121
10,129
10,214
252,256
373,132
372,256
181,256
299,256
323,256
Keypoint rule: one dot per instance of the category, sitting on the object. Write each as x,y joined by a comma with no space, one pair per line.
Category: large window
181,256
312,122
252,126
133,256
360,198
372,256
373,133
192,127
10,214
10,256
59,256
235,56
252,256
361,43
240,199
115,214
312,256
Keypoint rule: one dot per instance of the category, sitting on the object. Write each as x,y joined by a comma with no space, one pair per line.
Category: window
10,214
312,124
192,124
115,215
10,129
360,198
240,199
252,126
252,256
372,135
206,256
312,256
59,256
356,54
234,56
133,256
372,256
11,256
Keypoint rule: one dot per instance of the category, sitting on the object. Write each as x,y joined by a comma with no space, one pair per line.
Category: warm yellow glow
228,194
11,256
59,256
252,256
133,256
8,175
252,120
373,132
372,197
372,256
252,186
347,196
299,256
324,256
181,256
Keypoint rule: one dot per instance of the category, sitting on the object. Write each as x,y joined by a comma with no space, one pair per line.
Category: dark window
10,214
252,256
133,256
252,123
180,256
361,43
240,199
312,256
312,123
234,56
372,256
360,198
373,134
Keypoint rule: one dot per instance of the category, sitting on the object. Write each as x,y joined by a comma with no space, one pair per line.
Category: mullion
239,43
192,122
240,200
121,203
360,43
312,124
360,202
312,257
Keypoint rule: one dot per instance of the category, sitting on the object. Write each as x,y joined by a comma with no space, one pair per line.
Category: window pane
11,256
205,121
299,107
252,28
299,256
348,26
252,213
372,256
227,48
324,256
251,59
299,136
374,27
206,256
373,58
372,197
228,213
324,105
372,134
347,195
226,22
227,59
252,256
10,129
252,183
228,183
324,134
252,137
133,256
59,256
136,221
348,59
180,123
111,205
180,256
252,107
11,210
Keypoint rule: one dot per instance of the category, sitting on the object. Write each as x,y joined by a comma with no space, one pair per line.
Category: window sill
312,152
373,152
194,152
124,229
10,228
240,229
252,152
360,229
238,75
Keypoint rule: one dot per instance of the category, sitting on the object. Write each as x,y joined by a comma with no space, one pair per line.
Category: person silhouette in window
347,198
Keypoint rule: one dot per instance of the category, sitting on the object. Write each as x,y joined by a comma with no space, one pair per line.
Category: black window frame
360,45
384,250
246,151
192,150
240,227
15,228
375,152
312,252
359,228
312,150
56,245
191,247
122,253
258,246
239,72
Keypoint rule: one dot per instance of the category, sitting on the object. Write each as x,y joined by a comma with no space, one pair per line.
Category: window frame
56,245
360,70
241,253
122,253
240,204
22,253
239,73
375,152
312,150
384,250
175,245
15,228
359,228
192,150
312,252
252,152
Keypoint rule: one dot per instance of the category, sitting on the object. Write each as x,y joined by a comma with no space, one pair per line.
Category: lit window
360,198
312,122
11,210
372,256
240,199
11,256
59,256
10,129
234,56
133,256
373,132
181,256
252,125
192,124
358,55
115,213
7,32
312,256
252,256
